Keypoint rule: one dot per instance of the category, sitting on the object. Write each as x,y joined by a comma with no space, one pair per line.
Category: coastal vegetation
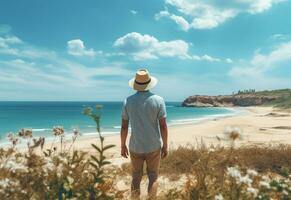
64,173
191,172
276,98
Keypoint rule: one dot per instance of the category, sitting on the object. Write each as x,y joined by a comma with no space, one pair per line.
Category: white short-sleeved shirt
143,110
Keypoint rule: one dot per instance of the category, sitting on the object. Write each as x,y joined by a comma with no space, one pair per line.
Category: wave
40,129
199,119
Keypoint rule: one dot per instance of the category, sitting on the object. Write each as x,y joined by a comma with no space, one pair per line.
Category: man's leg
153,164
137,161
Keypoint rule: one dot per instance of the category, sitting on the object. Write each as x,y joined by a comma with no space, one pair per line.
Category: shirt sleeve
162,111
124,112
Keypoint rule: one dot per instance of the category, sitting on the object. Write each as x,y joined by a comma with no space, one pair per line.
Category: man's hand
123,136
164,151
164,134
124,152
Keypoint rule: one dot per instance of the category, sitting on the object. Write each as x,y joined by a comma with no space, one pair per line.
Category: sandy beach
259,125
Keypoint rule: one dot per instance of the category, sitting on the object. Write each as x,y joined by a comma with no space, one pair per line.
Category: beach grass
212,172
201,171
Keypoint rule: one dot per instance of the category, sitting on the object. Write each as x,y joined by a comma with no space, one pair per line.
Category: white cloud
210,14
77,48
7,45
261,63
134,12
205,58
14,46
35,73
149,47
259,6
58,79
228,60
278,36
180,21
143,47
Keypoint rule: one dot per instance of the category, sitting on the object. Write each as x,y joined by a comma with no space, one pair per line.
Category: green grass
283,97
283,102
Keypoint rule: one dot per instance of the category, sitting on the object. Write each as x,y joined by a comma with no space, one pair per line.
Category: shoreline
235,111
259,125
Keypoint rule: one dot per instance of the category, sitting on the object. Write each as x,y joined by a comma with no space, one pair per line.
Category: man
148,142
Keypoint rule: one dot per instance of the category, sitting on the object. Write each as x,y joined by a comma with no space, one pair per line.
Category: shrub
53,173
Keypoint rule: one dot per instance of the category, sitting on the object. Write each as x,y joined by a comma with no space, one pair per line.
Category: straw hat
142,81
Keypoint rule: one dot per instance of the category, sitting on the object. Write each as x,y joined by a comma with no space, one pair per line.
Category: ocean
41,117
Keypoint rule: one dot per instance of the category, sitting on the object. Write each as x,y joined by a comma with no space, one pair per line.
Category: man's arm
164,134
123,136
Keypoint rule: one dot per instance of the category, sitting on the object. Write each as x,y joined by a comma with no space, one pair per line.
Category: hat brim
145,87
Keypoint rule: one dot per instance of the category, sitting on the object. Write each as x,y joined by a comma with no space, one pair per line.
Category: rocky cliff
229,100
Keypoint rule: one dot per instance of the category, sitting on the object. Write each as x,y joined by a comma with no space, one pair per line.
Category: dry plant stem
52,145
62,140
73,141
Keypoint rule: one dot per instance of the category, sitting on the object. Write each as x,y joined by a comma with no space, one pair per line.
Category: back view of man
146,113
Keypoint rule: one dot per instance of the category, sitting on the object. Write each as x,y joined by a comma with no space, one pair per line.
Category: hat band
144,83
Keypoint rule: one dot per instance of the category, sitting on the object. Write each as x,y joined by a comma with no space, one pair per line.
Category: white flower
4,182
70,179
49,166
233,172
7,183
285,192
252,172
218,197
264,184
246,180
233,133
13,166
284,185
265,178
252,191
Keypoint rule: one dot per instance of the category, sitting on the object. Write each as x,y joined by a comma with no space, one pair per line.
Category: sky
73,50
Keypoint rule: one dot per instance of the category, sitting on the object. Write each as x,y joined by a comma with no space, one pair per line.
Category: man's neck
143,91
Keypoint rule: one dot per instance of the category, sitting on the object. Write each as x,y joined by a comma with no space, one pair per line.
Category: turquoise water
42,116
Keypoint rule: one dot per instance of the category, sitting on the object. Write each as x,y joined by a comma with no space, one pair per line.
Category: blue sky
88,50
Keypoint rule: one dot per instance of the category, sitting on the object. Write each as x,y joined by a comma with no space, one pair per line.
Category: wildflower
285,192
233,133
252,191
58,131
70,179
49,166
233,172
7,183
211,149
4,182
252,172
264,184
218,197
25,133
284,185
75,132
12,138
87,111
13,166
245,180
